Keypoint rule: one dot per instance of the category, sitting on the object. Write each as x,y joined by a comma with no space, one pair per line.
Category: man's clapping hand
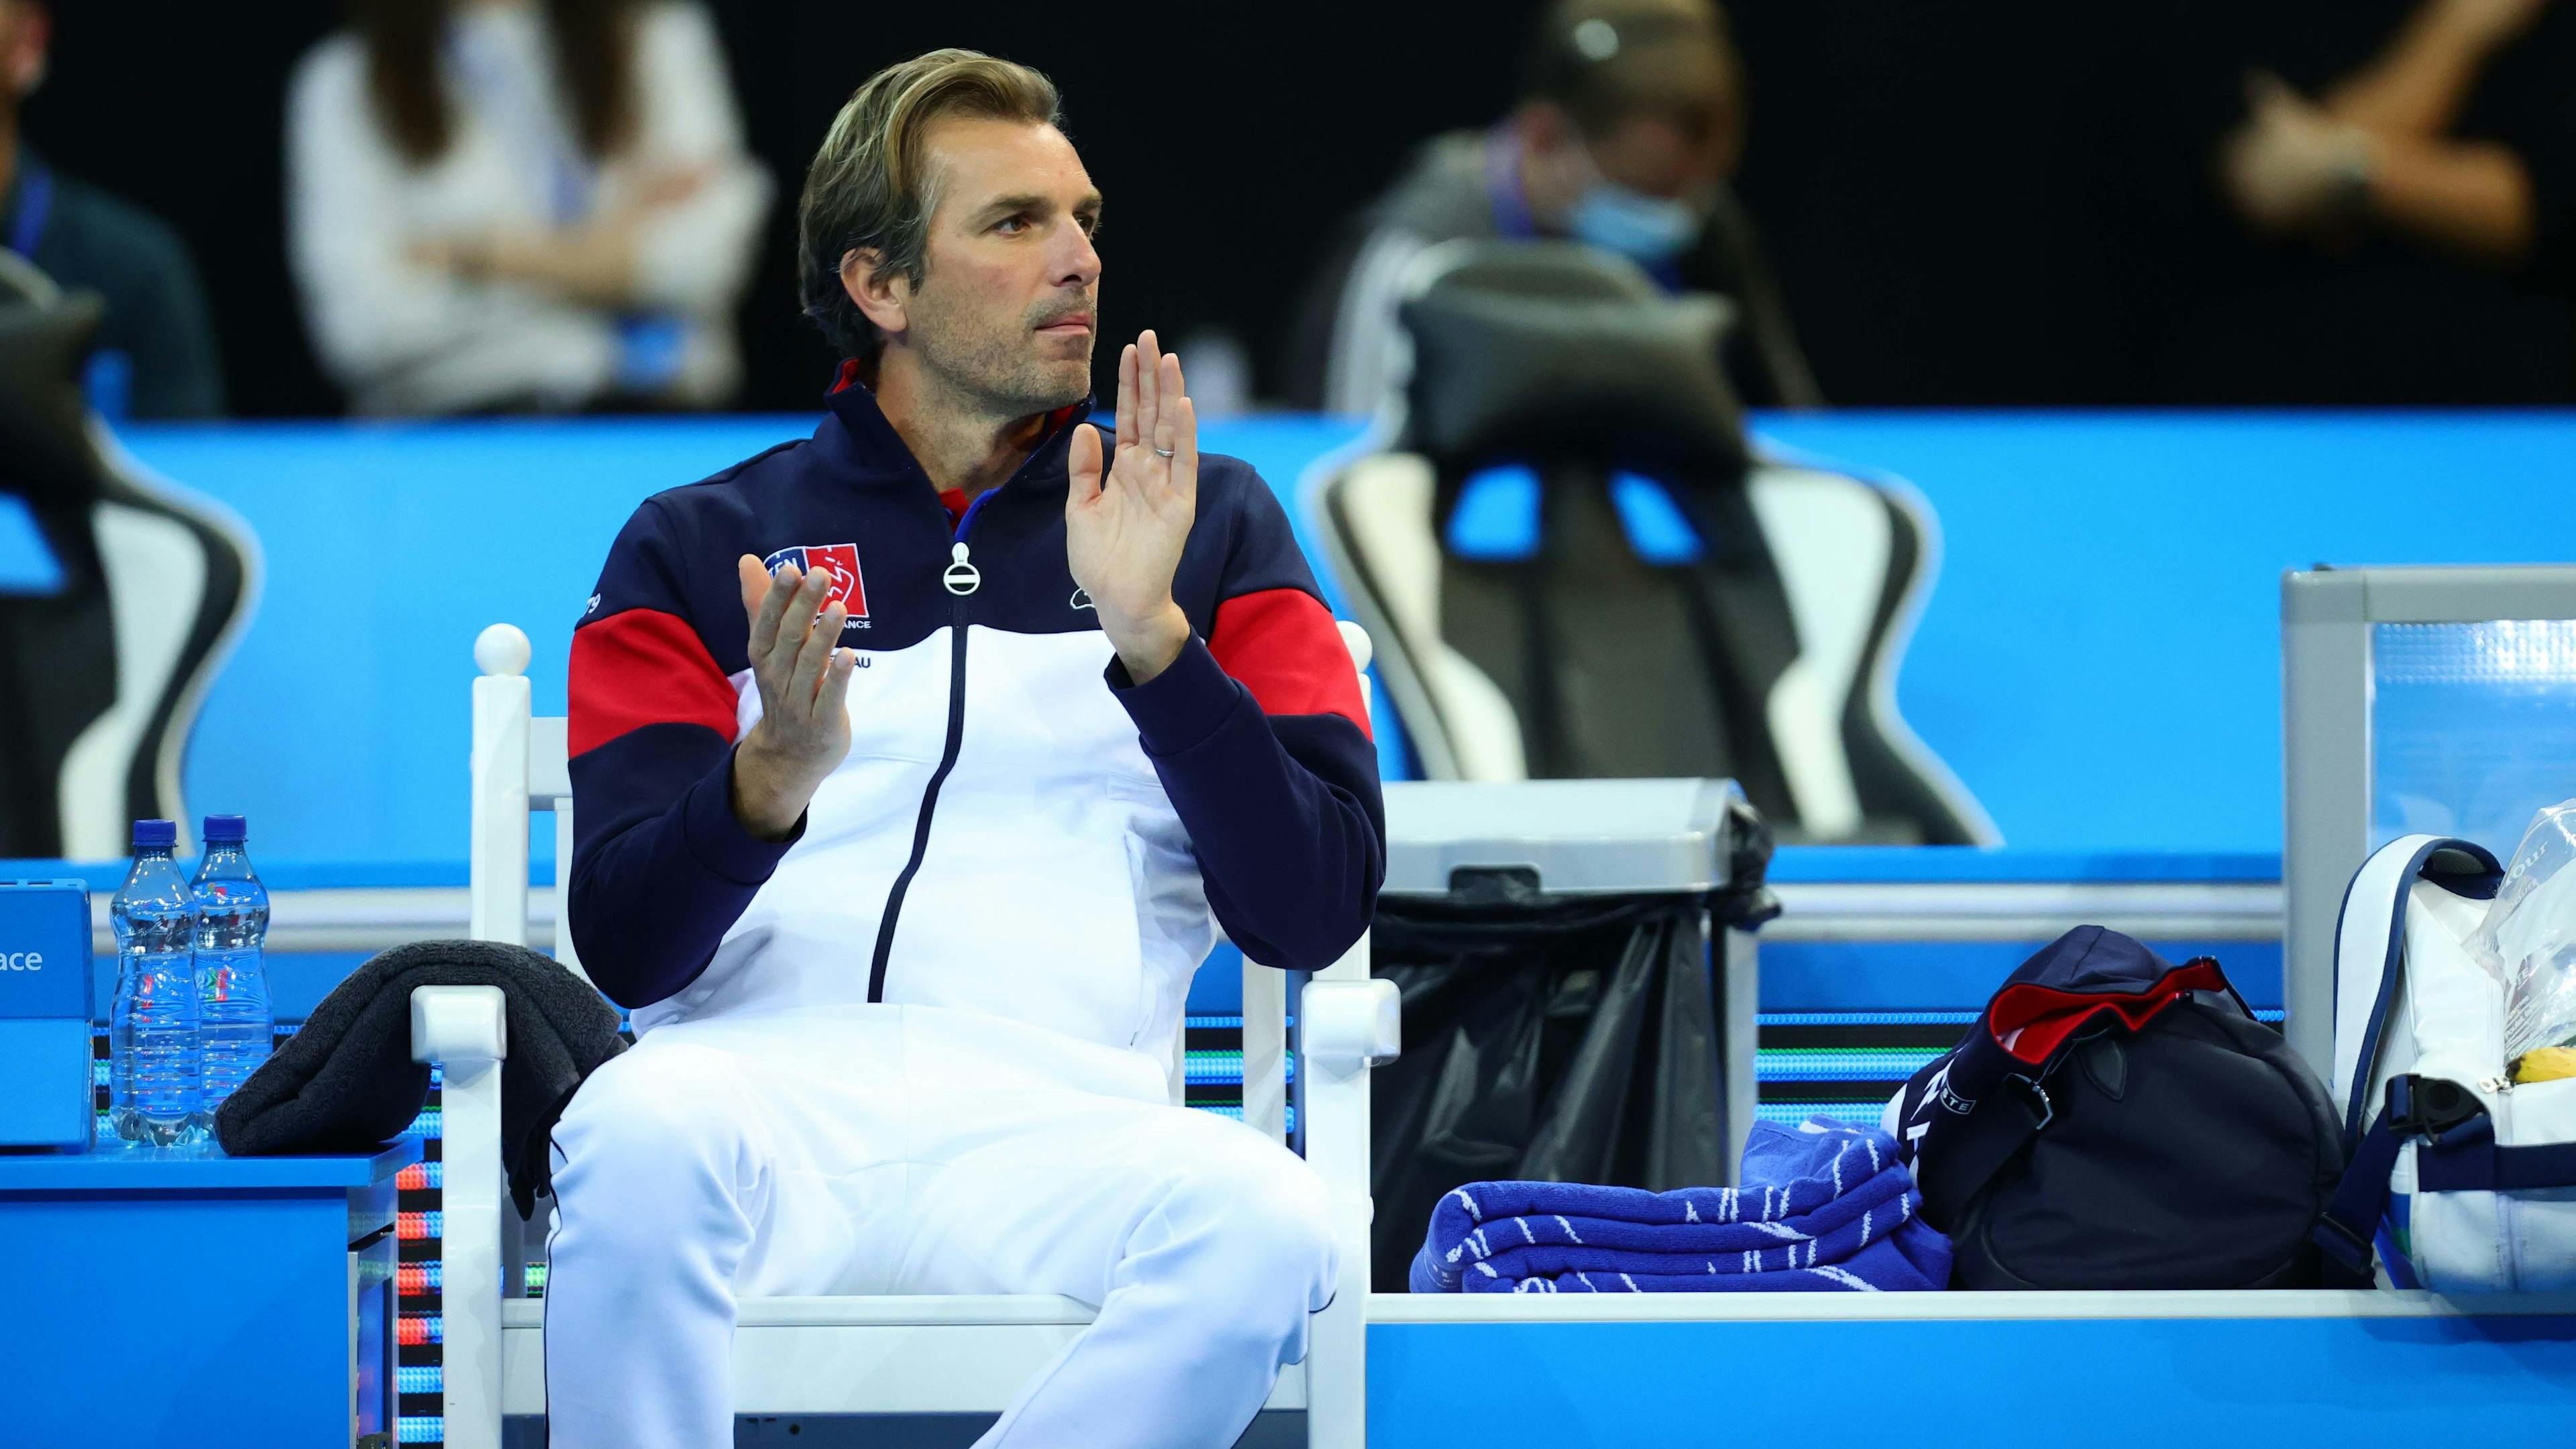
804,680
1123,532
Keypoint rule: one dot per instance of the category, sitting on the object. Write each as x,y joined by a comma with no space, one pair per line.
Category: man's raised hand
804,681
1123,532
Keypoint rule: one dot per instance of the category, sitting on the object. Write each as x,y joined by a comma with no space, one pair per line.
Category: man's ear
880,293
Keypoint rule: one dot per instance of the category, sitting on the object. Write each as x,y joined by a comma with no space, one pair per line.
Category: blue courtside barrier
1971,1371
2099,659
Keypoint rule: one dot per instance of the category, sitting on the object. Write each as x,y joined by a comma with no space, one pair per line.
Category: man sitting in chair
916,766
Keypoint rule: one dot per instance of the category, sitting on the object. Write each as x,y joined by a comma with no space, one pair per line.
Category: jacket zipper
961,579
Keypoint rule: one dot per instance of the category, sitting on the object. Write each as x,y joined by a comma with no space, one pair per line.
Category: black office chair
1663,601
101,675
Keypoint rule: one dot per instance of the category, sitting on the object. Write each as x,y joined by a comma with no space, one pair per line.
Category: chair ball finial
1356,639
502,649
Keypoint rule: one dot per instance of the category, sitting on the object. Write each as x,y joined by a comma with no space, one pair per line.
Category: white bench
884,1355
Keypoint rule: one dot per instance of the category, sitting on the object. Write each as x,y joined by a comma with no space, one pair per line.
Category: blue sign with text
45,1098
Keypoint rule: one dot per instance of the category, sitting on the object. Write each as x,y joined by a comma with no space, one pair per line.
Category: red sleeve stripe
1283,645
642,667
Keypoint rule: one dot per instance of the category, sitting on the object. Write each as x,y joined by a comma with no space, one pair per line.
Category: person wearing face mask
1631,120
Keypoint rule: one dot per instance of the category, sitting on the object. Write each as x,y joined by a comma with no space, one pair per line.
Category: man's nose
1080,264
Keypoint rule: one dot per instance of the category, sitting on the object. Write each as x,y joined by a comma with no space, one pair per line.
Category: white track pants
909,1150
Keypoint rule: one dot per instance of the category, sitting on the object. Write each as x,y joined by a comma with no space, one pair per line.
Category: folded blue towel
1825,1206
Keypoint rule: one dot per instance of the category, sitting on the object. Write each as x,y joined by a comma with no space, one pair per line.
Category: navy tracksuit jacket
1018,829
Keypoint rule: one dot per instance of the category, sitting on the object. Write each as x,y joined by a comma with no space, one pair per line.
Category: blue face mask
1643,228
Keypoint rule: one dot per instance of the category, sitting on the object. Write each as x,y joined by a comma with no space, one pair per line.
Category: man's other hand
804,680
1123,533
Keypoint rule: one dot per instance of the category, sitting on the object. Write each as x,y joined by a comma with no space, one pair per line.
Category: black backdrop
1991,203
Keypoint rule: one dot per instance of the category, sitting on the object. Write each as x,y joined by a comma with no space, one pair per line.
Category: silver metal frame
2327,622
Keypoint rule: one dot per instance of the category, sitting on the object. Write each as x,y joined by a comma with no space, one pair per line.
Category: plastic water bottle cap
226,830
156,834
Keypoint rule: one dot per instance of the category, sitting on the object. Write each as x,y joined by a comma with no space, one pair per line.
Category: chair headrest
1527,348
45,337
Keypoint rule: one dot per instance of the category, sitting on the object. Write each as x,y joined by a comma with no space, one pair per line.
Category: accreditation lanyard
35,199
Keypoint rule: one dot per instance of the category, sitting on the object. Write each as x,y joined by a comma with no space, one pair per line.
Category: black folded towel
346,1082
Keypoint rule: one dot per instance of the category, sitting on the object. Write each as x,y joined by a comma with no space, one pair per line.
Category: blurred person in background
1630,123
2437,142
156,353
522,204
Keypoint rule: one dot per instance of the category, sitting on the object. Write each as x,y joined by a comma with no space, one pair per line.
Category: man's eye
1011,225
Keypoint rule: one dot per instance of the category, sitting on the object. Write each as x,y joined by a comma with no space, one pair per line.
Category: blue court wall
2099,660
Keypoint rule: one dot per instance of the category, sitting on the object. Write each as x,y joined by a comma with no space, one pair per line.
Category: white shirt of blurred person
1630,124
497,205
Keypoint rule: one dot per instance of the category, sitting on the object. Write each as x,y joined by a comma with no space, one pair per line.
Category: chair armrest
465,1031
456,1024
1353,1023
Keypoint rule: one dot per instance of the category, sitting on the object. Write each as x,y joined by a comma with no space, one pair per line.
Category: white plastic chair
883,1355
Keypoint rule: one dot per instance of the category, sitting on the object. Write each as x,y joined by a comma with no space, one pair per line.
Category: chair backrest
154,585
1576,567
520,765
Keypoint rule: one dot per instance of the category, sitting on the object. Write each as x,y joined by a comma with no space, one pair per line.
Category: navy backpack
2114,1121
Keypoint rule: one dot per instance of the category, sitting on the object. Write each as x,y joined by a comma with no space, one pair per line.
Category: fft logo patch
841,561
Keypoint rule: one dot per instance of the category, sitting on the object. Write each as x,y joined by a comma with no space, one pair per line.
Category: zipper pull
961,577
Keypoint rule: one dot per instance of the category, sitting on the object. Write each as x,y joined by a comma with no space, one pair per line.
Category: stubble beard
998,368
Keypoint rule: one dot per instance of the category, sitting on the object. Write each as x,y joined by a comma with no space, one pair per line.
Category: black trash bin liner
1563,1040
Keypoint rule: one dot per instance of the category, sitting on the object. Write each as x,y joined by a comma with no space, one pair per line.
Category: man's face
23,33
1007,305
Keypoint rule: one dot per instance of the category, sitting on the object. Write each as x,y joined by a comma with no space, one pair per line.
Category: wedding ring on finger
1162,452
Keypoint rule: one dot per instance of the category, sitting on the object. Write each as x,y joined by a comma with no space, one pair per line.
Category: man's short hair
1604,61
871,187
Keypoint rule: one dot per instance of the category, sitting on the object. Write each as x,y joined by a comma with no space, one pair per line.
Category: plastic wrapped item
2528,936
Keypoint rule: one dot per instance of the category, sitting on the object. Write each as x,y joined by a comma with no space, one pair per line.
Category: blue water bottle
155,1071
234,1020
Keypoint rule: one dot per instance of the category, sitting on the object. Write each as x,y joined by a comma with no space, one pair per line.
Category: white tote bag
2461,1180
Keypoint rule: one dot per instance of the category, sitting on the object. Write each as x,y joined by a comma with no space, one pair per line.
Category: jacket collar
869,443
